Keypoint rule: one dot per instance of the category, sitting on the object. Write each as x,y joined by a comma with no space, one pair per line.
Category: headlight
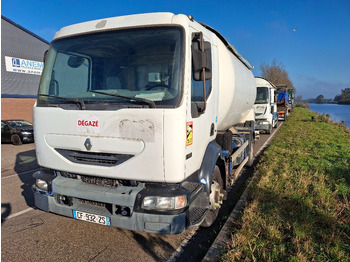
164,203
26,133
42,184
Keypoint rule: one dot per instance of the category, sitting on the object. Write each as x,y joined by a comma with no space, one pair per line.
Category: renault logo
88,144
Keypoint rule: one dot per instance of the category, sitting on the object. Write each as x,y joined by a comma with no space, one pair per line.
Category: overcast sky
311,38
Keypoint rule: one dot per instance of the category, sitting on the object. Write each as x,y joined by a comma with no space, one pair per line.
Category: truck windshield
262,95
125,68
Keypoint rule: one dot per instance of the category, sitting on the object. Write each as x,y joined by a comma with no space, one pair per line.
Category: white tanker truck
141,122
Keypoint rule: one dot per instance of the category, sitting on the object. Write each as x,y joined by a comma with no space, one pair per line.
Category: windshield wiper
77,101
139,99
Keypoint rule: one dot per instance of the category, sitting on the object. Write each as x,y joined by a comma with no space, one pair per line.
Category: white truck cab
265,106
134,122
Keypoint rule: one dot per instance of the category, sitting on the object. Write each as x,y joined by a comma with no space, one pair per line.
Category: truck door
201,120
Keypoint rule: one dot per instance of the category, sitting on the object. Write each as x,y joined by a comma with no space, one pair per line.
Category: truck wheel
216,197
16,140
250,152
250,149
269,130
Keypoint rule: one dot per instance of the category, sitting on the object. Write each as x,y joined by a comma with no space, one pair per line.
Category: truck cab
284,105
127,118
265,107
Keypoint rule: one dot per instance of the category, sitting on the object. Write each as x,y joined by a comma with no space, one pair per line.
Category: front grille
92,206
90,202
100,181
93,158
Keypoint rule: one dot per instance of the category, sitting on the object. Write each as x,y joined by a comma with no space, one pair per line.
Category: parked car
17,131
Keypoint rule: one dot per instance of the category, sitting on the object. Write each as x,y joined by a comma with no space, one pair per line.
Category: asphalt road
28,234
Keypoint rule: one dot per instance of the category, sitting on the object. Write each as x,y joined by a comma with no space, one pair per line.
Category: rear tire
250,151
216,197
16,140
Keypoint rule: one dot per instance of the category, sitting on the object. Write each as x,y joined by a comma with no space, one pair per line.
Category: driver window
197,94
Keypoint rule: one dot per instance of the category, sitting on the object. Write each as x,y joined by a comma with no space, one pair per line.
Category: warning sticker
189,133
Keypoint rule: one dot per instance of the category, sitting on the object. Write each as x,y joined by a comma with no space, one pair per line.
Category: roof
20,45
24,29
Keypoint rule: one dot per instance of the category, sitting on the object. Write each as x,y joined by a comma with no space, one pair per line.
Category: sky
311,38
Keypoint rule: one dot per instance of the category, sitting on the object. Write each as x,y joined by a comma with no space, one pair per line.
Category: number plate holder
92,218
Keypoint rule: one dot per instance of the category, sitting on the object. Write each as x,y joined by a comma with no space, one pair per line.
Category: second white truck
141,121
265,106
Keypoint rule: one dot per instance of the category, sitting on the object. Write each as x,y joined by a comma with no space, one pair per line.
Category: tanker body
141,121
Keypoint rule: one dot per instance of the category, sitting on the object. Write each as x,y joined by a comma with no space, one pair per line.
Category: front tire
269,130
16,140
216,197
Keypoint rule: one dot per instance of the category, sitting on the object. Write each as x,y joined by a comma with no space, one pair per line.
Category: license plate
102,220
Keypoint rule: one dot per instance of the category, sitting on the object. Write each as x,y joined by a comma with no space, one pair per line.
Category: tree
319,99
276,74
344,97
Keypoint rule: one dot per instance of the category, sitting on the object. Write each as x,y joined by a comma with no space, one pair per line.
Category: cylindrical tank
237,90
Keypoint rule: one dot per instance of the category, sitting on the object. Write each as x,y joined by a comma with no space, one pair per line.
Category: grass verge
298,206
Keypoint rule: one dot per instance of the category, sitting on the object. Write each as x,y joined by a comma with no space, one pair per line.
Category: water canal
338,113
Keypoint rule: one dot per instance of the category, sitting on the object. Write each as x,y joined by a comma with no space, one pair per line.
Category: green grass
298,205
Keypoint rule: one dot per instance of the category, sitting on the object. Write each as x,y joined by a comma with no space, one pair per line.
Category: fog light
164,203
43,181
42,184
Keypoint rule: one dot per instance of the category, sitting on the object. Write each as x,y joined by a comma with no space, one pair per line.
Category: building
22,54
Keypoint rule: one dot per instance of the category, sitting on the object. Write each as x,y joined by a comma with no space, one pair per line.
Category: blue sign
16,62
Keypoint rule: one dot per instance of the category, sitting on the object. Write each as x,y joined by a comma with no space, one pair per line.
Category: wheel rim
216,197
16,140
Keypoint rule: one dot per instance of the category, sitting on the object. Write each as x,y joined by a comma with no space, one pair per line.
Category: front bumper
262,125
161,224
105,201
28,139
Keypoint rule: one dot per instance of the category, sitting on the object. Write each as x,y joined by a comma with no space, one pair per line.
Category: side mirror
201,57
